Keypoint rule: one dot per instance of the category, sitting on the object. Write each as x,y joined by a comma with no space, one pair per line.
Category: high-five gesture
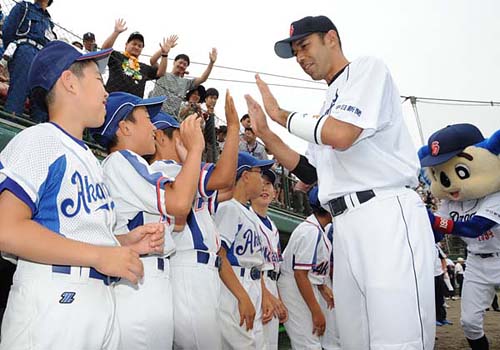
120,25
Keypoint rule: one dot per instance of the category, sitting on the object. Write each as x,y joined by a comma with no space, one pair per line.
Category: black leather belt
272,275
338,205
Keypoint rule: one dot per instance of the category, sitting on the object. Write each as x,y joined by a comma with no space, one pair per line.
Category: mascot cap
446,143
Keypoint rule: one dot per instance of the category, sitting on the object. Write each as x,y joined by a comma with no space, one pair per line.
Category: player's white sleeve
368,89
227,220
132,181
490,208
31,165
305,247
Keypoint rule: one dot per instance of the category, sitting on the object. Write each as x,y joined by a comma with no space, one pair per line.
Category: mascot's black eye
445,180
462,171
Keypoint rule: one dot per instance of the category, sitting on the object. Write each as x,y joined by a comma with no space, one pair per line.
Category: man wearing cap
56,215
126,73
89,42
196,265
142,195
271,249
241,244
302,282
361,154
27,29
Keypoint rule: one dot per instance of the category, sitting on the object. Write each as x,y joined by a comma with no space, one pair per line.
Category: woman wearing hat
194,98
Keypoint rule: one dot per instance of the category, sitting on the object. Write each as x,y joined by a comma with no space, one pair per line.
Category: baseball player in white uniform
302,283
195,264
271,248
241,243
143,194
57,215
361,154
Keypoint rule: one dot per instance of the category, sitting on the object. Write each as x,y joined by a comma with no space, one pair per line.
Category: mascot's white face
473,173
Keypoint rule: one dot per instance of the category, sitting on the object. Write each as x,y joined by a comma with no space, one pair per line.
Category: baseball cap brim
283,48
100,57
163,121
429,160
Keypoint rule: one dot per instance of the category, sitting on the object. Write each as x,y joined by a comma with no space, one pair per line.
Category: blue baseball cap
118,107
313,198
164,121
300,29
51,61
270,174
446,143
246,162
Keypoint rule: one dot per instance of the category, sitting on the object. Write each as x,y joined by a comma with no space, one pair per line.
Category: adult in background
126,73
361,154
250,145
208,109
27,29
194,99
459,274
89,42
175,86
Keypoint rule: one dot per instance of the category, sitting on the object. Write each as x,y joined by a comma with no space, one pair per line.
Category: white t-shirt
139,194
61,180
383,156
238,227
438,267
487,207
270,240
308,249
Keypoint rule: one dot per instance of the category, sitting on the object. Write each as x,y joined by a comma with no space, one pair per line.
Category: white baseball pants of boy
144,311
234,336
271,329
49,310
383,279
330,340
196,292
480,278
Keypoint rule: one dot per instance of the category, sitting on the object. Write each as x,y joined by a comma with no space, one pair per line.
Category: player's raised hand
120,25
257,116
247,312
327,294
191,134
270,103
119,262
146,239
181,150
230,110
319,322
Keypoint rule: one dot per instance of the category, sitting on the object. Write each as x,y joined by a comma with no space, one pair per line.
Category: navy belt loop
161,264
93,273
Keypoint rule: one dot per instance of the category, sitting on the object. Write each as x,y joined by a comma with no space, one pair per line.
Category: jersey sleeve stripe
19,192
205,173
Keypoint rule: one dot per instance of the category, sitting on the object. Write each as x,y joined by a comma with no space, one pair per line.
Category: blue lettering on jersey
321,269
87,193
67,298
455,216
270,256
252,242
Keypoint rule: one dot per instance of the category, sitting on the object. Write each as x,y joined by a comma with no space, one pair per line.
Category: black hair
184,57
250,129
245,116
201,92
212,92
319,211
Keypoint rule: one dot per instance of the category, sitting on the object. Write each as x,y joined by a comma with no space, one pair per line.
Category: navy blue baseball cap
118,107
164,121
313,198
246,162
51,61
300,29
446,143
270,174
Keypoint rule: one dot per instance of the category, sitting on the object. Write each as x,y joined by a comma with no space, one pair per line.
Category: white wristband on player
307,127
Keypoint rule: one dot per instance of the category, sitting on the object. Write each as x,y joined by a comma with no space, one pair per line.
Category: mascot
464,169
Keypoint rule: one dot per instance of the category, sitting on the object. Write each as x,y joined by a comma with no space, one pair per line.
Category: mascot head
461,163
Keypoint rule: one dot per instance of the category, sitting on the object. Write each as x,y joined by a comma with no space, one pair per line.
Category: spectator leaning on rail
126,73
27,29
175,86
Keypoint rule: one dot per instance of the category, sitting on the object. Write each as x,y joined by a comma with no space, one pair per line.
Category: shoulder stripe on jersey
142,170
206,171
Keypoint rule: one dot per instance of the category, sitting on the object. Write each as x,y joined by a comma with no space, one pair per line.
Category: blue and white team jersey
61,181
139,194
270,240
239,227
308,249
487,207
200,232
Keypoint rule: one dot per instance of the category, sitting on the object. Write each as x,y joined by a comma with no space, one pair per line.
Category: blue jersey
61,181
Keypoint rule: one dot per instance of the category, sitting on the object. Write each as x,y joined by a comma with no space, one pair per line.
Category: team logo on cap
435,148
291,30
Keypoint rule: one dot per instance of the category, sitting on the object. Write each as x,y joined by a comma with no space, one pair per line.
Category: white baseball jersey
270,240
382,156
487,207
61,181
139,194
200,232
239,233
308,249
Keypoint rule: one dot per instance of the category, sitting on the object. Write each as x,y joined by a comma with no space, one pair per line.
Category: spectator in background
89,42
208,111
27,29
300,198
245,123
459,274
194,98
251,145
126,73
175,86
440,286
221,137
